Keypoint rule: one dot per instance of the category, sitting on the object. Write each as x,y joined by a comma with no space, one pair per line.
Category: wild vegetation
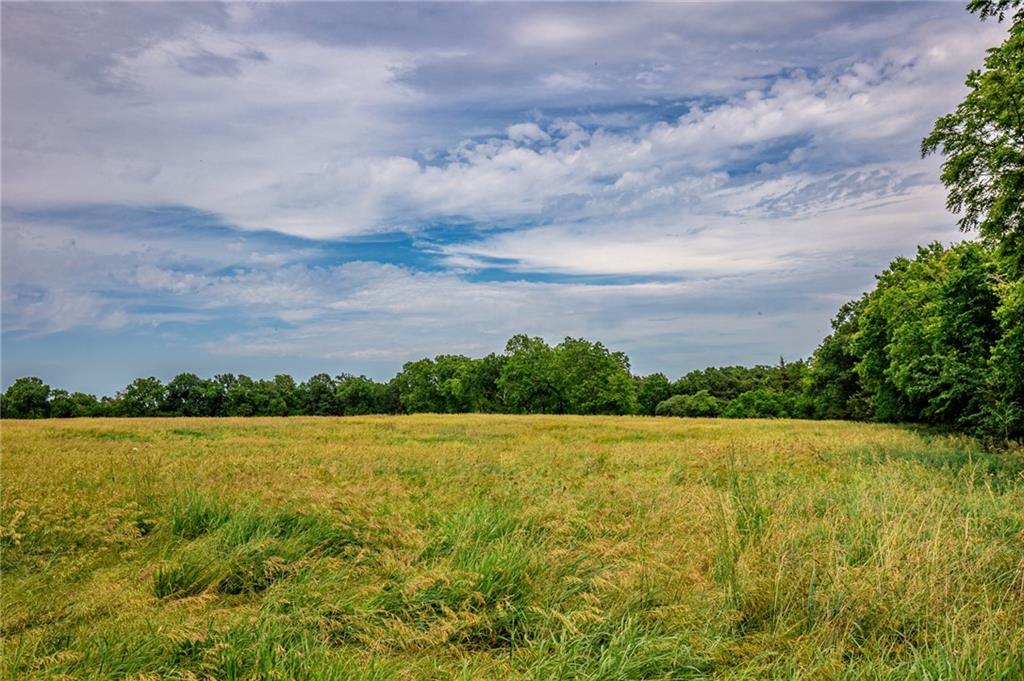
488,546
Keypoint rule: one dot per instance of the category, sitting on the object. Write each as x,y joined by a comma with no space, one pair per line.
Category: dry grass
507,547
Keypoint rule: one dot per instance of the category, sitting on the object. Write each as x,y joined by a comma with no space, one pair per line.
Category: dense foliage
983,142
939,340
531,377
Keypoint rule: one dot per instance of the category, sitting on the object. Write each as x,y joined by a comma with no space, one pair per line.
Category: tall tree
141,397
317,397
529,380
27,398
833,385
651,391
358,395
593,379
983,142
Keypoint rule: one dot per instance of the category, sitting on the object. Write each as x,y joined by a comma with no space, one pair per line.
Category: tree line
939,340
576,376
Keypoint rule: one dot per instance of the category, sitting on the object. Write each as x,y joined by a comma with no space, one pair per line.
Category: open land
532,547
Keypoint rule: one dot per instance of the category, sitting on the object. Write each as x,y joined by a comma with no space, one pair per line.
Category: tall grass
468,547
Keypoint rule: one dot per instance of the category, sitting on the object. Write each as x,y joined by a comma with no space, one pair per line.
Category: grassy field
499,547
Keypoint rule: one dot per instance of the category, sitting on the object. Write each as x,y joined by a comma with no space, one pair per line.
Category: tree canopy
983,144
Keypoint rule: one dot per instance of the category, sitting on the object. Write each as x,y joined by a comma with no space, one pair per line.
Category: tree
983,142
787,377
240,395
651,391
876,325
993,8
592,379
285,398
61,406
141,397
479,379
725,383
358,395
316,397
27,398
699,404
189,395
756,404
1006,417
73,405
529,382
833,386
419,388
87,405
926,337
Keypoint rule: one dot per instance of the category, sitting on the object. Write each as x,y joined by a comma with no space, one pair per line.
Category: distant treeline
531,377
940,340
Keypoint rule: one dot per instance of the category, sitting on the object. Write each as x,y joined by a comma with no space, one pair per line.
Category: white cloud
527,132
306,138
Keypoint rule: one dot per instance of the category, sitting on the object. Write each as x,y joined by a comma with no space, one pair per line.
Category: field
499,547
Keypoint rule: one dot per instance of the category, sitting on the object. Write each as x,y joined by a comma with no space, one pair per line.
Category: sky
296,188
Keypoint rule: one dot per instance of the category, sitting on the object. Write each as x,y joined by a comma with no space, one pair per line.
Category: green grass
466,547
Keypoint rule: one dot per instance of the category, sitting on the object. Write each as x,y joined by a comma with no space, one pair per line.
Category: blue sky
345,187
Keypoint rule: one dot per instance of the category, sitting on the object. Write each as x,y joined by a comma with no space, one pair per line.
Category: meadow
507,547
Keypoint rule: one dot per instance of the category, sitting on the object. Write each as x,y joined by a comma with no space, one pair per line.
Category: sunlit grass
507,547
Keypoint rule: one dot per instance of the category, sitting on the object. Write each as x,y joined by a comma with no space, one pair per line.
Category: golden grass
482,546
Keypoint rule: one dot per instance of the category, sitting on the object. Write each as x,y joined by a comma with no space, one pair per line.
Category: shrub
758,404
701,403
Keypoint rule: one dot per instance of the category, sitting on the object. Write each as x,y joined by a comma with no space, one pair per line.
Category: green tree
833,386
725,383
1006,417
983,144
529,381
240,395
87,405
756,404
699,404
926,335
285,395
27,398
316,397
358,395
188,395
651,391
871,343
592,379
141,397
418,387
61,405
479,377
446,384
993,8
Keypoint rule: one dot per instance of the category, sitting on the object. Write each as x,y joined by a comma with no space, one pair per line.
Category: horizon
306,188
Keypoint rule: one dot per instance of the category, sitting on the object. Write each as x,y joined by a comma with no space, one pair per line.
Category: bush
758,404
701,403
